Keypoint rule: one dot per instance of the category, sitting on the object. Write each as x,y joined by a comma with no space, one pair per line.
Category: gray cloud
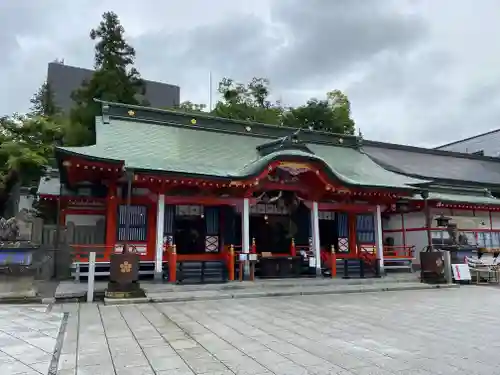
408,67
326,38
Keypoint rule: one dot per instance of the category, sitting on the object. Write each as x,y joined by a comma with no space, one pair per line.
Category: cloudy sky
419,72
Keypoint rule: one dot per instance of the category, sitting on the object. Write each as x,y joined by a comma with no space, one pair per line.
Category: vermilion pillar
111,217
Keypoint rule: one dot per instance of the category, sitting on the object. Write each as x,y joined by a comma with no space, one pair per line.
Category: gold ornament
125,267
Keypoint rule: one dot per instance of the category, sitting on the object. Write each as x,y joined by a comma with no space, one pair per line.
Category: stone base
130,290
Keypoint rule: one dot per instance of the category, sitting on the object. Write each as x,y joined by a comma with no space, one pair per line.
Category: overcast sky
417,72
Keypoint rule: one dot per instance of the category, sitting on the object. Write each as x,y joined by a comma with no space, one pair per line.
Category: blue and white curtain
212,220
342,224
365,228
138,223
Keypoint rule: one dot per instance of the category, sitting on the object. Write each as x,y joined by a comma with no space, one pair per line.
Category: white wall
495,220
84,220
25,202
416,220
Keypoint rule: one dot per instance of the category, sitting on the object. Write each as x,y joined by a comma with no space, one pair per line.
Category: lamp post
124,266
425,197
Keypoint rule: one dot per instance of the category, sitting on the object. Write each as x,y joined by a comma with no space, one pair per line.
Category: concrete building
486,144
64,79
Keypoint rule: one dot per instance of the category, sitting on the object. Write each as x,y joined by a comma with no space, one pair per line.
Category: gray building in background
486,144
64,79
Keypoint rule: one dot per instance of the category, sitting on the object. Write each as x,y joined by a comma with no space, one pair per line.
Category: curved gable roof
191,149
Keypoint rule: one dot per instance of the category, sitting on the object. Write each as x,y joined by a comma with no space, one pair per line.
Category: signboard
461,272
243,257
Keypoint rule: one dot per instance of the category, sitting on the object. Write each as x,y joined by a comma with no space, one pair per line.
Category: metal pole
361,269
447,267
346,270
91,277
427,213
127,210
210,91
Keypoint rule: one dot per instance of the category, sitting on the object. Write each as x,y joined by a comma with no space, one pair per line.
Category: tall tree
190,107
26,147
115,78
248,102
251,102
332,114
42,102
43,105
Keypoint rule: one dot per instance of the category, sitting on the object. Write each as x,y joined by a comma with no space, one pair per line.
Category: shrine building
208,186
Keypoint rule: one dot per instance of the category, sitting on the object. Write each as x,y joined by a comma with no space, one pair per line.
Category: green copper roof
191,149
464,198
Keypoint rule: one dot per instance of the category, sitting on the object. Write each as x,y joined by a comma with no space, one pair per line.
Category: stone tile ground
28,337
452,331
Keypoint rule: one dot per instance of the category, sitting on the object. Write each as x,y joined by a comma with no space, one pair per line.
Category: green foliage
247,102
332,115
115,78
190,107
26,145
251,102
42,102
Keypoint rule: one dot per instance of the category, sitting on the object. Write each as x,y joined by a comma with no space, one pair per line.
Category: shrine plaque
252,257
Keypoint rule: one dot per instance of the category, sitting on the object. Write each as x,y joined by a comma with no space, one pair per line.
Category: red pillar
172,264
111,218
351,219
333,261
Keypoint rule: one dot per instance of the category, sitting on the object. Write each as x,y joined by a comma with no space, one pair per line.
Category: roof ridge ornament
288,142
105,113
359,138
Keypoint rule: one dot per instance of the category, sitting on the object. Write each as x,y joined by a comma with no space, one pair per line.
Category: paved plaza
452,331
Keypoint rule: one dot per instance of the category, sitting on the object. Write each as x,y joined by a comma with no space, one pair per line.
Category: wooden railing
399,252
80,253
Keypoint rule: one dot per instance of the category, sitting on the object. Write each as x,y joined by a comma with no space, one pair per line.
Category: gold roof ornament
131,113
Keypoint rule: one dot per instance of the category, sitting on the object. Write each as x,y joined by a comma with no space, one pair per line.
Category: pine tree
42,102
115,78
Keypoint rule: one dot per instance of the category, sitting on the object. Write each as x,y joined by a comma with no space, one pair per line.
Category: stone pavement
452,331
167,292
28,336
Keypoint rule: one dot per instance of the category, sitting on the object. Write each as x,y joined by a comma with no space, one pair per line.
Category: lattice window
365,228
138,223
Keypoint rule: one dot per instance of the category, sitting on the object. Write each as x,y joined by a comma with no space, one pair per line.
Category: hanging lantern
442,221
402,205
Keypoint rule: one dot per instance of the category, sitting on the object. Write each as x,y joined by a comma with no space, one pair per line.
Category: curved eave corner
259,166
78,152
